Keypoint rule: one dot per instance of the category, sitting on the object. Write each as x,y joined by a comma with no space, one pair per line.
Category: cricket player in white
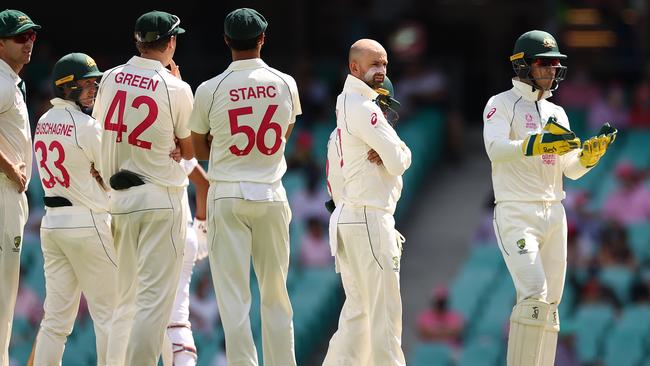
179,348
75,232
352,314
17,36
241,121
362,228
530,144
144,109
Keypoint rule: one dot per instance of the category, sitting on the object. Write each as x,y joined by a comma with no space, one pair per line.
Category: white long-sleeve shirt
363,127
333,165
508,118
66,143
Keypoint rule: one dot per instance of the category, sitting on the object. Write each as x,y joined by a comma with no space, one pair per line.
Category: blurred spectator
301,157
28,304
565,354
578,91
421,84
630,202
310,200
315,249
594,292
204,313
614,250
640,113
609,107
439,323
641,287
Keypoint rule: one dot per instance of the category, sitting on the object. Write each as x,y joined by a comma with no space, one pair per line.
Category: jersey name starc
247,109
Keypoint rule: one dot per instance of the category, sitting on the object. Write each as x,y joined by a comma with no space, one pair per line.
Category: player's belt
125,179
56,201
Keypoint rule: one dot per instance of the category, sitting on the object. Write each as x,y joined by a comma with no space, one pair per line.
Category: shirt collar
251,63
353,84
4,67
146,63
529,92
64,103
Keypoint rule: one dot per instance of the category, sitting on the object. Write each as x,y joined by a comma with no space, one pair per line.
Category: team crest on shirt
521,244
17,241
530,122
396,264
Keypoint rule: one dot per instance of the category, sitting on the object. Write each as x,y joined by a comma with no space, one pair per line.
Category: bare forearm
199,178
201,146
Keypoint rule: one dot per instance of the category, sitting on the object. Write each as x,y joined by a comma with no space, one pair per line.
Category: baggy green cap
155,25
243,24
13,22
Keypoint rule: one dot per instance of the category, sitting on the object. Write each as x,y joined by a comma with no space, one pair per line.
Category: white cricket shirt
15,132
363,127
142,107
508,118
66,142
333,167
247,109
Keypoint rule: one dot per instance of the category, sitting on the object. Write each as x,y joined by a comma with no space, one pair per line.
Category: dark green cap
388,86
244,23
536,44
155,25
13,22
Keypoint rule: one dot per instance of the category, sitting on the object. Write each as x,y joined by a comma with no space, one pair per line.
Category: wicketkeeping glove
554,139
594,148
201,229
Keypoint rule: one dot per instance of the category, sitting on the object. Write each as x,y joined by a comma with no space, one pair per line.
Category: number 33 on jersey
247,109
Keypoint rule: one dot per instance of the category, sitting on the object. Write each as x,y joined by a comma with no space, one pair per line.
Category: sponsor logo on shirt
373,119
530,123
491,113
549,159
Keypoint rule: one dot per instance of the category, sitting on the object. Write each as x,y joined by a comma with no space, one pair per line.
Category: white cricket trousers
237,230
179,348
368,256
149,229
532,237
13,216
79,257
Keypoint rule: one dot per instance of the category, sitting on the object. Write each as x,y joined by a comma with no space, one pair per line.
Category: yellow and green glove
594,148
554,139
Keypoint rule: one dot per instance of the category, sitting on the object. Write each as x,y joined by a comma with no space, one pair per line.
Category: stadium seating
592,321
431,354
484,351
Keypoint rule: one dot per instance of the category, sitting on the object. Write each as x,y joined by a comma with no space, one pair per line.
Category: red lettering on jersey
373,119
252,92
138,81
48,128
491,113
233,95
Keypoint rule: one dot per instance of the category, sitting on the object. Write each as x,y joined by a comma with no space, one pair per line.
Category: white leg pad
527,327
550,337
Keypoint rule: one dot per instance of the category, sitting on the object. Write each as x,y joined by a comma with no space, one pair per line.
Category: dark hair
243,44
159,44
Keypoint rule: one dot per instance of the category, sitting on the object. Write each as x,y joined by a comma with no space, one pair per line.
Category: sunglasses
24,37
546,62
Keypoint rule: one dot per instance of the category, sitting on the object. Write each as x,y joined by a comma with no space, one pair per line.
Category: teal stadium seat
636,148
497,307
484,351
638,236
619,279
431,354
592,321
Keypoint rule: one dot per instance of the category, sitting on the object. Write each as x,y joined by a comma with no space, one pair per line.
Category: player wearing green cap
144,109
530,144
241,121
17,36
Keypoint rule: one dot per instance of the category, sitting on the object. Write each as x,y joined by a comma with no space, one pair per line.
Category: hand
175,69
201,229
374,158
554,139
95,174
16,174
176,151
594,148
